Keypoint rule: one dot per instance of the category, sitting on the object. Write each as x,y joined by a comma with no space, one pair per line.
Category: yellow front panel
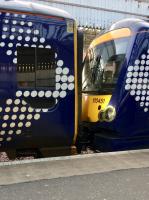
92,105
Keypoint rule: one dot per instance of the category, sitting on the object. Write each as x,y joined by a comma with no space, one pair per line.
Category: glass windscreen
102,65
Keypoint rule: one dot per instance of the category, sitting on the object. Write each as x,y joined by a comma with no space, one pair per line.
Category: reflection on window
26,67
35,68
102,65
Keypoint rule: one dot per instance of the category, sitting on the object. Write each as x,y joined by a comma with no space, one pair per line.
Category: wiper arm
94,72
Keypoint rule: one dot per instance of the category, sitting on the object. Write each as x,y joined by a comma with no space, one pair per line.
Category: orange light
116,34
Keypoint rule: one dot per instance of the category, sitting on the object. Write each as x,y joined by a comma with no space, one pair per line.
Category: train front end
115,96
38,59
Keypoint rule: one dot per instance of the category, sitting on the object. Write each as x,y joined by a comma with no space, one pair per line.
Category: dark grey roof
33,8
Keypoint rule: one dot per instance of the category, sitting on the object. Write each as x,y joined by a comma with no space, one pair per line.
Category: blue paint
55,127
130,129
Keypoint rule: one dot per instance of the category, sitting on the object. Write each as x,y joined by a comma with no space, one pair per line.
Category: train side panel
37,94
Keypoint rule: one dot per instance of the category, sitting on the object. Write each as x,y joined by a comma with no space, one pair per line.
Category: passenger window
26,67
36,68
45,72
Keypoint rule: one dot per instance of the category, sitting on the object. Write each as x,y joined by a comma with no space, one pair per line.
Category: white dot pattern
17,114
13,29
137,81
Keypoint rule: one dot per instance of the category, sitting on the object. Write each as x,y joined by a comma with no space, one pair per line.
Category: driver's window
109,72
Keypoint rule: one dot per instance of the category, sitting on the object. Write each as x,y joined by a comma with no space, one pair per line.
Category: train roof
31,7
126,23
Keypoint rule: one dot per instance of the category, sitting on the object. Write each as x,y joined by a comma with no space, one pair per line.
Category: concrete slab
49,168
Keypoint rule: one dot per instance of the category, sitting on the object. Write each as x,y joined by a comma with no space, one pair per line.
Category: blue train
43,101
38,73
116,87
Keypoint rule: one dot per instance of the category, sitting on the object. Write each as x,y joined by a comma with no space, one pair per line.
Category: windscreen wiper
94,73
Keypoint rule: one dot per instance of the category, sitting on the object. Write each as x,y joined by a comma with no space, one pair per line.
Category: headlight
108,114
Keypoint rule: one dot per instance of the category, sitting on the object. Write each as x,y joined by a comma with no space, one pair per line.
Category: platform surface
131,184
103,176
50,168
